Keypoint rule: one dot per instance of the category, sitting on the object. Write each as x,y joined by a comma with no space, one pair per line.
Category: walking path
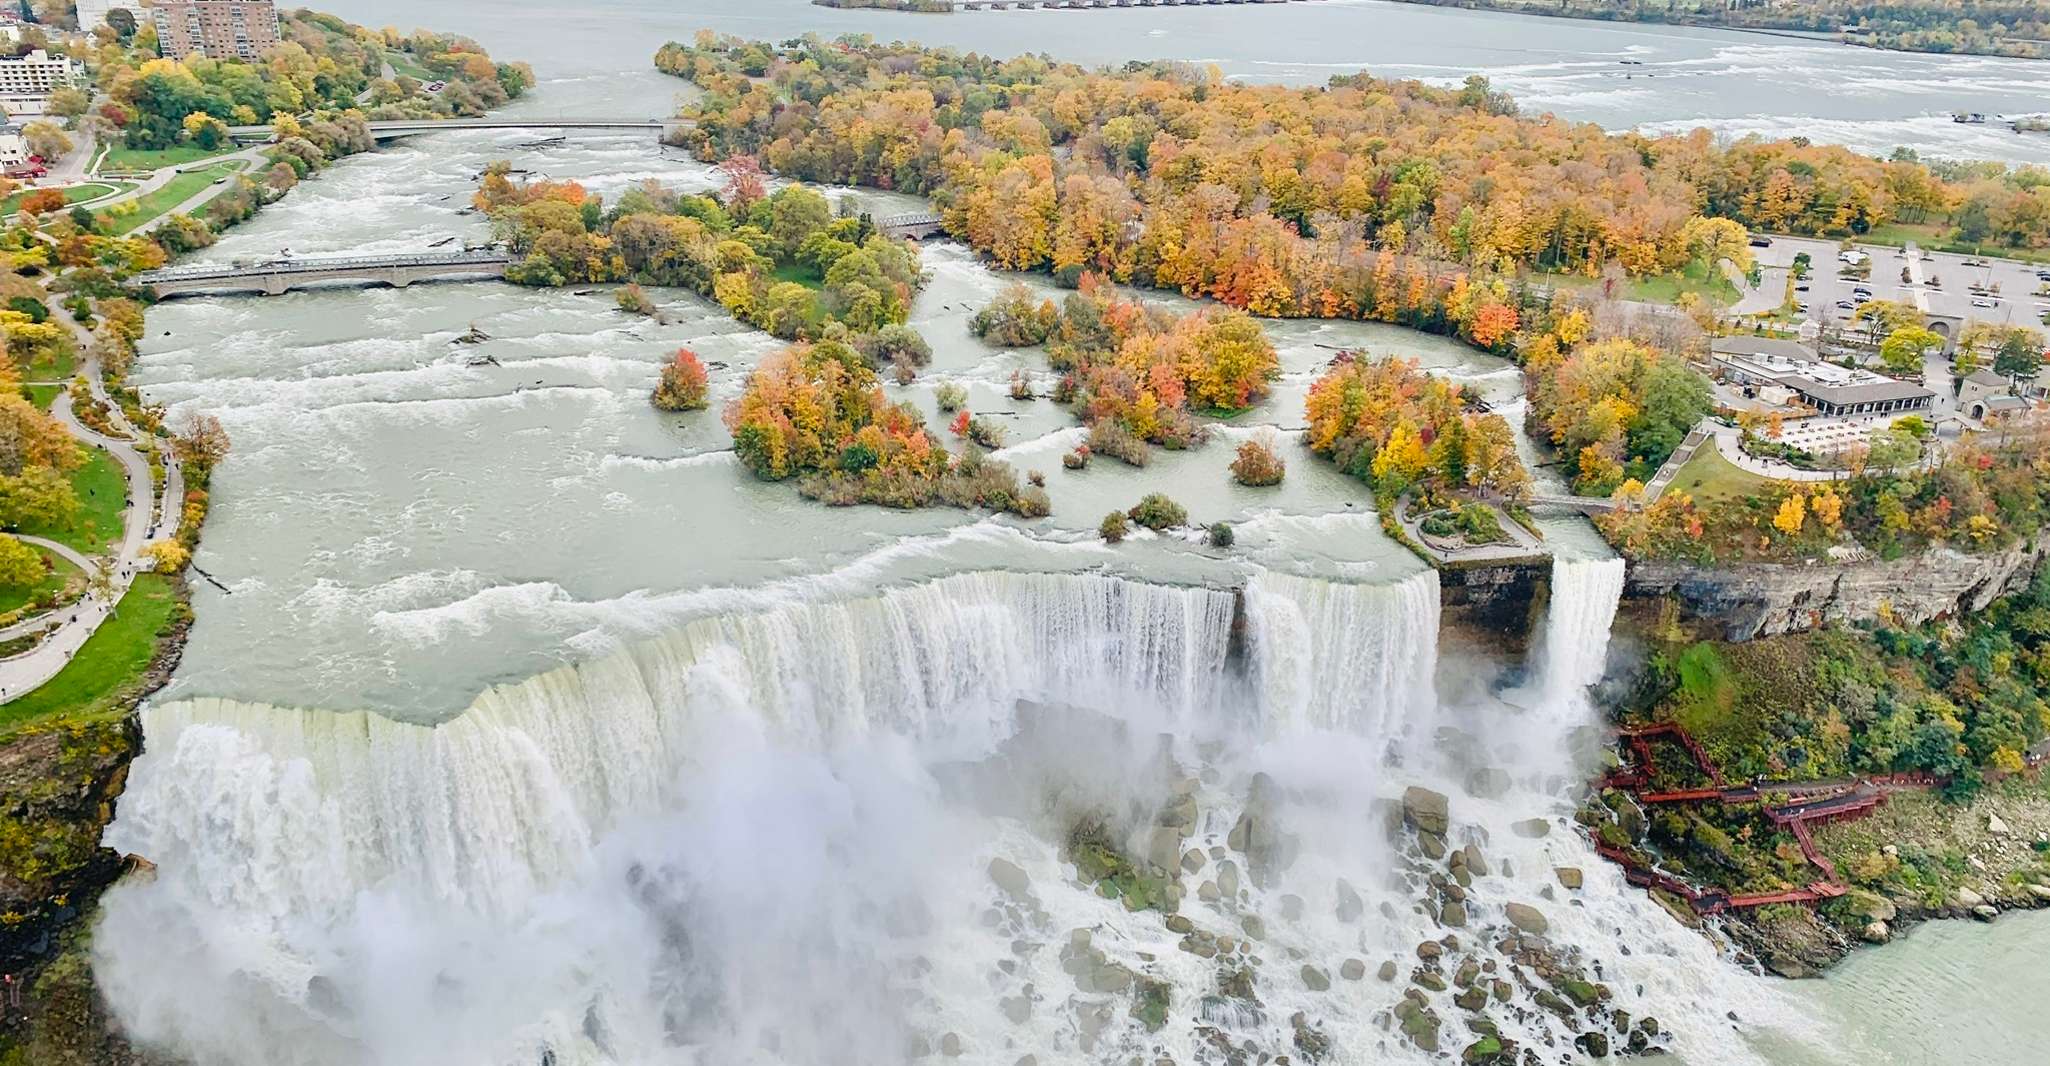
1805,804
142,521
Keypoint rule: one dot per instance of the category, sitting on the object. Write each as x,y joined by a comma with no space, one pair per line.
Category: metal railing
317,265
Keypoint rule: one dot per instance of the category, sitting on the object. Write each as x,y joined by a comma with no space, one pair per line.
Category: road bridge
393,129
274,276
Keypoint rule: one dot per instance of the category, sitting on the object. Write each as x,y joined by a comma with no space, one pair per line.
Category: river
531,729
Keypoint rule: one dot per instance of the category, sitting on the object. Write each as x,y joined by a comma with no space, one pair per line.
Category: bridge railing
317,265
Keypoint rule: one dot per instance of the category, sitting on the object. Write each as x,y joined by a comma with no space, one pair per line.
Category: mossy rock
1150,1003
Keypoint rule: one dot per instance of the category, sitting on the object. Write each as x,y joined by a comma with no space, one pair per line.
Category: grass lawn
101,496
61,571
72,194
155,158
799,273
402,63
1932,237
1662,288
43,395
174,192
1709,476
53,366
110,666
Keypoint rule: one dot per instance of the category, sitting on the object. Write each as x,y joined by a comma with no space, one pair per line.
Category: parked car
1800,288
1846,305
1983,301
1761,242
1861,292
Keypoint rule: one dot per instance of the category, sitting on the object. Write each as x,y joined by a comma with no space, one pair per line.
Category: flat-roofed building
1838,391
217,29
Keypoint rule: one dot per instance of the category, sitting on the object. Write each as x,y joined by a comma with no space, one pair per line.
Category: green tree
2019,356
20,565
1902,350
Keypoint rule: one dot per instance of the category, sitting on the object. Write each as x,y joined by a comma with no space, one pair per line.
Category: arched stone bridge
274,276
392,129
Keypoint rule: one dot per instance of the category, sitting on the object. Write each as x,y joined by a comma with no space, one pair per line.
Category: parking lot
2011,290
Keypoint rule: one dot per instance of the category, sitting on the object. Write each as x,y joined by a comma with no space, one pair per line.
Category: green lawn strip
128,159
43,395
111,664
1660,288
61,571
1934,238
101,497
403,64
72,195
1709,476
184,187
799,273
52,365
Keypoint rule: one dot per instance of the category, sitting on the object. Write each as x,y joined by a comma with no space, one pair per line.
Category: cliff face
1763,600
57,790
1501,604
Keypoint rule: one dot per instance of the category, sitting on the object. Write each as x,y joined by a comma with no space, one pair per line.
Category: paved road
71,169
44,621
141,522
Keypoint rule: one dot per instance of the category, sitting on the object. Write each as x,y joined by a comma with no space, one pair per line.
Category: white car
1981,301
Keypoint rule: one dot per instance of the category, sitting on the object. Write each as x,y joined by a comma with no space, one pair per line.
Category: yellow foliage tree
1793,513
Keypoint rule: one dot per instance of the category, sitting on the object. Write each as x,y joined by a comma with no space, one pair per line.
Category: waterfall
509,795
766,838
1576,638
1350,658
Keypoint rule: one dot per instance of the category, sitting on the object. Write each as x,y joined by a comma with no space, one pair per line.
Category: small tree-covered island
843,553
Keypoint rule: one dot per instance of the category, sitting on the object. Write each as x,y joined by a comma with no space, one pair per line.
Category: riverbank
70,729
1810,23
1804,793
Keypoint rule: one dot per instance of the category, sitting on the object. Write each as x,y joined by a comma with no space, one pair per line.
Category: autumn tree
684,383
1257,462
1902,350
200,444
21,566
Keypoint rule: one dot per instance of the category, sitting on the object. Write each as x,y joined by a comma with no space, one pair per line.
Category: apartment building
26,81
217,29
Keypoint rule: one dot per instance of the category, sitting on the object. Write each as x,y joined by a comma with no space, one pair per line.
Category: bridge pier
276,285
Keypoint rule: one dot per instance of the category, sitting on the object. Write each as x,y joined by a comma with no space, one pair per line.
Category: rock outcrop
1767,599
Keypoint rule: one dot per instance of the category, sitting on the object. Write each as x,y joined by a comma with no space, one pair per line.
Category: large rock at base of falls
1426,810
1488,783
1010,878
1527,918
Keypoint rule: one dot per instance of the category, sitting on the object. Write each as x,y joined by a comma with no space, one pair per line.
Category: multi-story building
26,81
217,29
92,14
